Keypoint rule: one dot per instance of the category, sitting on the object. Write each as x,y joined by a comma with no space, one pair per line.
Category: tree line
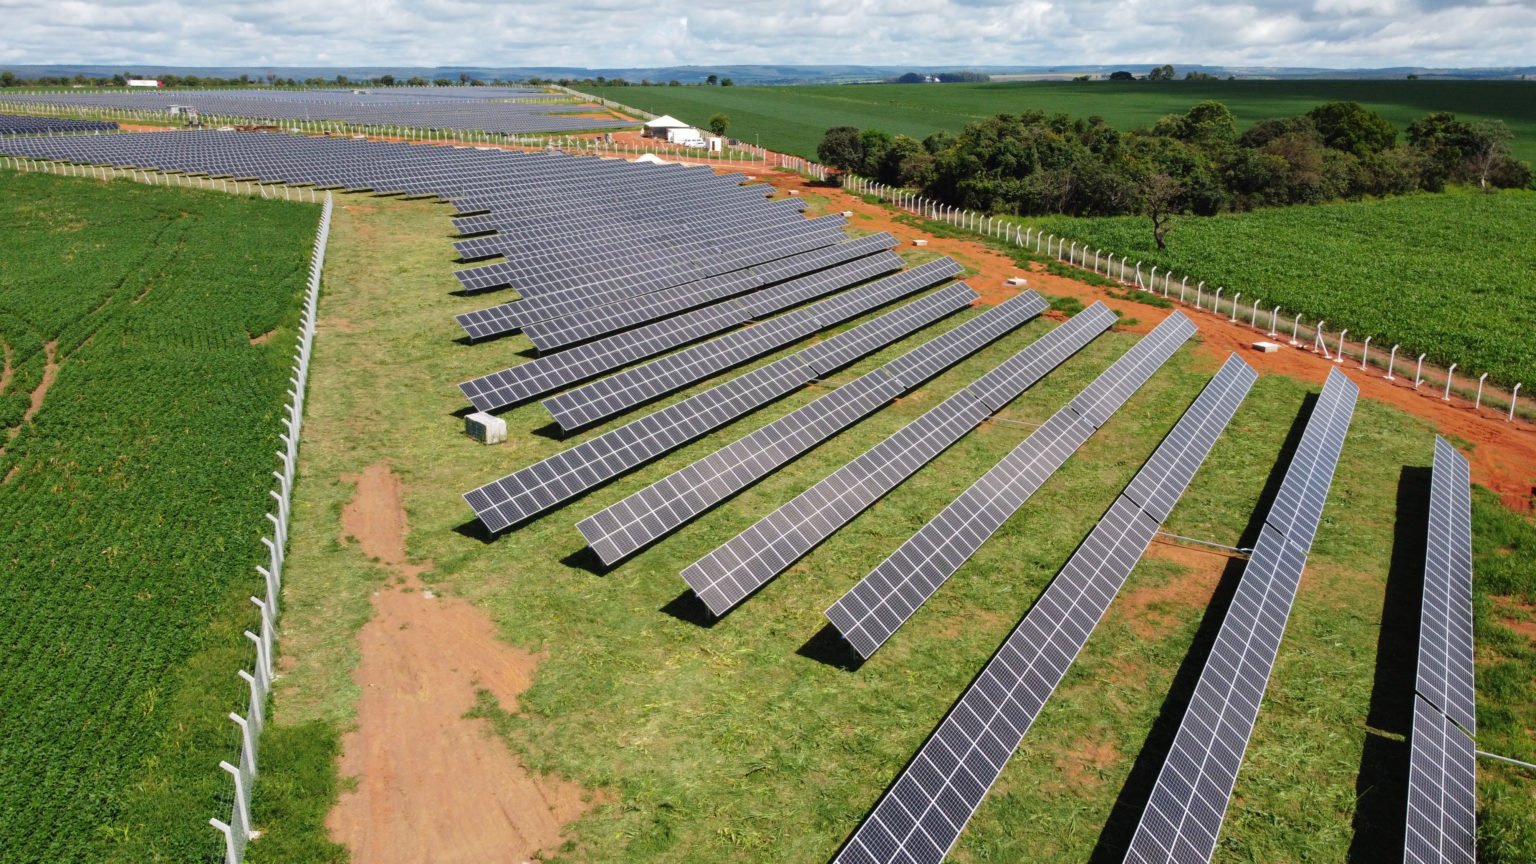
1191,163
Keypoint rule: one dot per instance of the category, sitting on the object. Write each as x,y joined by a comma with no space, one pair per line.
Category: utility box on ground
1266,347
485,428
1017,282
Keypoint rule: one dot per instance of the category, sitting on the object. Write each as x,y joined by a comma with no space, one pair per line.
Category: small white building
663,126
144,82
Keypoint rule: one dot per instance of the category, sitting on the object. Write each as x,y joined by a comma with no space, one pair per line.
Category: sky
627,33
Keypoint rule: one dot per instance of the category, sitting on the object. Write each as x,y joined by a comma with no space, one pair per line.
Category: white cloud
626,33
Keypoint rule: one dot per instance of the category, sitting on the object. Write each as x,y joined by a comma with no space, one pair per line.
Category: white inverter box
485,428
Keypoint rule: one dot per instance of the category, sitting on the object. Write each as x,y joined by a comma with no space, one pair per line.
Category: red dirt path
433,786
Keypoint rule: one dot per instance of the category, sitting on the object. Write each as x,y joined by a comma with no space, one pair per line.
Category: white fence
1266,321
239,829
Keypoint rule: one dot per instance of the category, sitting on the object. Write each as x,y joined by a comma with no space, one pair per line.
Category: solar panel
1298,506
1442,791
545,374
648,514
1445,675
922,814
882,601
615,394
532,490
1184,813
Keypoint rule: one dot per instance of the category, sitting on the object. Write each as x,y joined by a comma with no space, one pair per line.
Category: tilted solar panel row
532,490
1183,816
730,573
607,397
922,814
545,374
882,601
666,504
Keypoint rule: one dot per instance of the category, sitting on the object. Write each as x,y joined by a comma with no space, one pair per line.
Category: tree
1200,76
842,148
718,123
1162,194
1488,145
1122,75
1161,73
1353,128
674,83
342,80
417,81
387,80
463,77
7,78
712,80
726,82
876,144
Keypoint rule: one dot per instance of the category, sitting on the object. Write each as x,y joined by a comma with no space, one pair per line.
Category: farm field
740,742
146,336
793,119
1447,274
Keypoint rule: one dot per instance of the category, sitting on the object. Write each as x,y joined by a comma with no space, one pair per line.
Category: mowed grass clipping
793,119
132,502
737,742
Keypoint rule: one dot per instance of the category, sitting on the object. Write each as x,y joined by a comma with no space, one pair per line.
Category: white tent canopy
666,121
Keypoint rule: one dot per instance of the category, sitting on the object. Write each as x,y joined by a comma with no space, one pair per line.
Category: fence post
1235,297
1513,398
1342,333
1365,352
1480,380
1391,362
1295,328
1418,373
1450,374
1274,315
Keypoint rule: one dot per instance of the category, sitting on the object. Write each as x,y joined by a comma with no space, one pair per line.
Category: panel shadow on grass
1115,838
1381,790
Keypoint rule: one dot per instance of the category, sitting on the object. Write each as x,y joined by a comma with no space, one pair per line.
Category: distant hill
745,74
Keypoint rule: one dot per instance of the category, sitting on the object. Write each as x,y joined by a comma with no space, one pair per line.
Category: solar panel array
730,573
1184,813
646,515
1442,791
921,815
551,372
1442,776
23,124
484,111
1445,675
615,394
542,485
882,601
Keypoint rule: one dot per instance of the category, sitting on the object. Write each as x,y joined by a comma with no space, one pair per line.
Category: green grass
132,503
1446,274
726,743
793,119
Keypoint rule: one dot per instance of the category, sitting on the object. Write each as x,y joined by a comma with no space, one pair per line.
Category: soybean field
1452,275
793,119
146,333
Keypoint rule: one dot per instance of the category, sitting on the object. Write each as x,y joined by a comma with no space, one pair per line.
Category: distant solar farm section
505,110
26,124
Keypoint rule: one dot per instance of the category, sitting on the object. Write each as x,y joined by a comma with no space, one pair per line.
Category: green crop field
735,743
1453,275
161,322
792,119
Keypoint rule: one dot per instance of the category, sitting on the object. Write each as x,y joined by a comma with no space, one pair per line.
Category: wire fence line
1267,321
270,191
239,830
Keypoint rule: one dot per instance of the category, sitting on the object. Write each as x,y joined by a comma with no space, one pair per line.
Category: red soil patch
6,372
1082,762
1147,607
433,786
263,338
1516,615
50,374
136,127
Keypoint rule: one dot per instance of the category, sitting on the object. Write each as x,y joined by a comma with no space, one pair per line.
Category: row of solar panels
384,108
23,124
1442,773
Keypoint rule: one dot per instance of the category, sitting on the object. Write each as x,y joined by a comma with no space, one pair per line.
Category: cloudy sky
626,33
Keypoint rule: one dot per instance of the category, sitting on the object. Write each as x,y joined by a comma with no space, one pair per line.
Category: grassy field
792,119
1448,274
736,743
146,334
